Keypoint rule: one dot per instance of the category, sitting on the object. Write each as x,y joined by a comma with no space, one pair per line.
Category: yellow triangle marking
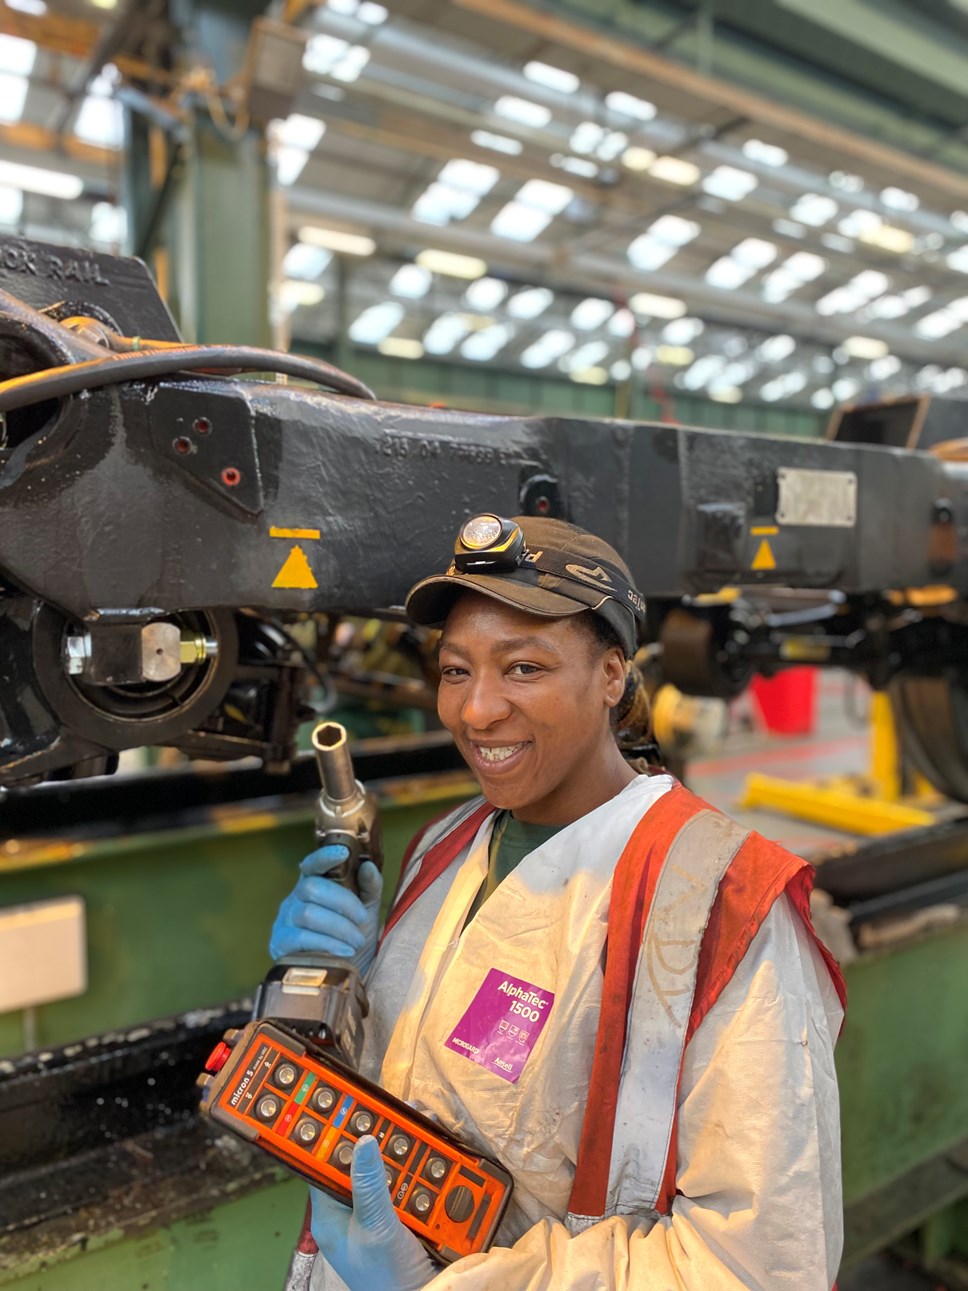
295,572
764,558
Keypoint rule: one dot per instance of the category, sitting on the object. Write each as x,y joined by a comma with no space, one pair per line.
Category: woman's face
527,700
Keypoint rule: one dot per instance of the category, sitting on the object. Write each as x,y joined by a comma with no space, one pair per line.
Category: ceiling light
376,322
645,302
294,293
620,370
702,372
845,388
496,142
34,179
805,265
674,170
574,165
674,230
636,158
104,4
483,345
675,356
13,96
523,111
938,324
591,313
865,347
440,203
411,281
589,376
726,394
353,244
452,264
641,358
730,183
822,399
889,238
530,303
586,136
843,179
485,294
36,8
958,259
856,223
614,142
303,261
727,274
769,154
661,240
630,106
472,175
372,14
400,347
814,209
553,78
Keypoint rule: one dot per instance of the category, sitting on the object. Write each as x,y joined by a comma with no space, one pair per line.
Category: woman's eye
451,672
524,669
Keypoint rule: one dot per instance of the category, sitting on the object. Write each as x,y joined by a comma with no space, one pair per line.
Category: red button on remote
216,1059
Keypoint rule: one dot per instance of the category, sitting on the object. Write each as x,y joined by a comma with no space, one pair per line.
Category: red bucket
787,702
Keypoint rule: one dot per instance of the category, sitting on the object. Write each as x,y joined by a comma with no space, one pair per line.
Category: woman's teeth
499,754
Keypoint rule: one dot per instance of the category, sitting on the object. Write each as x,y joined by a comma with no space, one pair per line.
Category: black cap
543,566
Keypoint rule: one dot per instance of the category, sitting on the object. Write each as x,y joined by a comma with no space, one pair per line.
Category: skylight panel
730,183
941,323
782,387
883,368
858,223
100,122
485,344
13,95
411,281
545,196
636,158
814,209
621,324
899,199
290,164
329,56
497,142
295,293
754,252
299,131
620,370
354,244
642,357
805,265
530,303
17,55
401,347
574,165
769,154
37,8
727,273
485,294
845,388
630,106
776,348
451,263
304,261
444,333
523,111
376,322
471,175
520,223
822,399
109,223
958,259
591,313
674,356
11,205
548,348
674,230
703,371
552,78
365,10
660,242
683,331
440,203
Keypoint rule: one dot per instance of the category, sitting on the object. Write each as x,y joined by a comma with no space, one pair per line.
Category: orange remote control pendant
290,1097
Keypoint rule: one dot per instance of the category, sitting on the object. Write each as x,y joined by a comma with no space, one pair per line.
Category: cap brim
432,599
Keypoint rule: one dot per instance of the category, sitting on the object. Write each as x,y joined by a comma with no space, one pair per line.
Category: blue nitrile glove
321,915
368,1246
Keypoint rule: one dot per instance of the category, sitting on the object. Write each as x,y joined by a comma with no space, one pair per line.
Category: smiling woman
588,971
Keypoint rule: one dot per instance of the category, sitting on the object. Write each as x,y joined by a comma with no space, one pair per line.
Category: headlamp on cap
488,544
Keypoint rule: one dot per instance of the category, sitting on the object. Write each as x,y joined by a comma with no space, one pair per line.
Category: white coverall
758,1162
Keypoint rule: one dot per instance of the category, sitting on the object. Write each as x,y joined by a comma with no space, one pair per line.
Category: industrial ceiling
748,202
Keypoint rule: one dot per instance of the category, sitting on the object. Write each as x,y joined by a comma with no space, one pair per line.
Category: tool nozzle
334,761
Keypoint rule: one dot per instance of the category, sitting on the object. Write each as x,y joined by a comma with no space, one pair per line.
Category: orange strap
436,860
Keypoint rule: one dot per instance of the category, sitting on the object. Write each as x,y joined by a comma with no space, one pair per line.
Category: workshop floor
838,745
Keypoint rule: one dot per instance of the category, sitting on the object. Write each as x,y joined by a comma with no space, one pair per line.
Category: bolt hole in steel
182,445
231,476
202,425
